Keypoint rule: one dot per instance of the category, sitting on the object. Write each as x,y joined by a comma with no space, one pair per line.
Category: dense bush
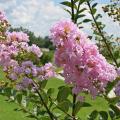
77,58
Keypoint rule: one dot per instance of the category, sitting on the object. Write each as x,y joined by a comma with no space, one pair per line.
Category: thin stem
48,111
105,40
72,9
73,108
77,11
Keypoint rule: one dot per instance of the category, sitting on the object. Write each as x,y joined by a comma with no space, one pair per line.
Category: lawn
7,108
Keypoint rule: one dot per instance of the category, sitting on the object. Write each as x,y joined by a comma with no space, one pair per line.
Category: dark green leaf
82,10
112,114
86,20
42,84
85,104
50,91
68,11
110,86
75,1
63,93
93,115
44,118
79,105
94,10
98,16
68,4
7,91
103,115
45,97
64,105
19,98
116,110
94,5
80,16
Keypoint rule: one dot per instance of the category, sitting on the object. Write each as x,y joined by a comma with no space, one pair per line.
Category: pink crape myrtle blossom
36,50
117,89
2,16
84,67
118,71
17,58
17,36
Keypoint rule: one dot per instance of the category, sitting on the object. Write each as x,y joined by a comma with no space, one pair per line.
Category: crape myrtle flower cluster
16,58
117,87
84,67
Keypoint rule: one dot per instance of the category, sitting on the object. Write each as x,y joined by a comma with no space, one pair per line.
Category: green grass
7,108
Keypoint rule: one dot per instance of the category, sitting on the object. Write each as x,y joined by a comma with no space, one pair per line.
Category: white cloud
6,4
39,15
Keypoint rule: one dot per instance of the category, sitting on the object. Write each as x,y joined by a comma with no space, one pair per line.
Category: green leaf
67,118
116,54
82,10
98,16
116,110
63,93
112,114
103,115
68,11
44,118
45,97
86,20
19,98
85,104
94,10
75,1
93,115
64,105
80,16
110,86
79,105
68,4
50,91
7,91
94,5
42,84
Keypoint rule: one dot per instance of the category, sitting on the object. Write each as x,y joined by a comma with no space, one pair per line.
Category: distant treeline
39,41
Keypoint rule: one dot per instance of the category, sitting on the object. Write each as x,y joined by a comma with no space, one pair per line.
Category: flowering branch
74,19
103,37
48,111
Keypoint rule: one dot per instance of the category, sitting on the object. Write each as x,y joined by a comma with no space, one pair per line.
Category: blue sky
40,15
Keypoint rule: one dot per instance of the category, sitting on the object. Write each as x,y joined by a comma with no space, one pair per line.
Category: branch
48,111
77,11
103,37
73,108
72,9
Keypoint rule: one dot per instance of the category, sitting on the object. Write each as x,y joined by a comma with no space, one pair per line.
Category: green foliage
77,12
61,105
63,93
47,57
103,115
93,115
115,112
